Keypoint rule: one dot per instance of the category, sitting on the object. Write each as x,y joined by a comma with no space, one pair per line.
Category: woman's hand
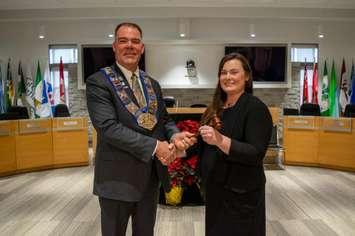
210,135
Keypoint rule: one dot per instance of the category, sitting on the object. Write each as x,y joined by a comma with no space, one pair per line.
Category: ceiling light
252,31
184,28
41,32
320,32
110,36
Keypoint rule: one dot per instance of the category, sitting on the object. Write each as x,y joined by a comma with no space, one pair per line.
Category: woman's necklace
230,104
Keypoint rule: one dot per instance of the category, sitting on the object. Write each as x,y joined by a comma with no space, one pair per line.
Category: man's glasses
135,41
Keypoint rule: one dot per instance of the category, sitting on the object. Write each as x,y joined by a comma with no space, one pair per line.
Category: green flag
325,92
42,107
333,104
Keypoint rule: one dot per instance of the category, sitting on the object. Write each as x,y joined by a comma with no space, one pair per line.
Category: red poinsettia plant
182,170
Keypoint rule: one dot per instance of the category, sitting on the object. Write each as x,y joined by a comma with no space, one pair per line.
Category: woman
235,130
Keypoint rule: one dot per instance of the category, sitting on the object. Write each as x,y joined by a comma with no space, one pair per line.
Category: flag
352,79
42,107
305,85
61,82
343,96
333,104
315,84
49,88
29,92
325,92
10,90
21,87
2,102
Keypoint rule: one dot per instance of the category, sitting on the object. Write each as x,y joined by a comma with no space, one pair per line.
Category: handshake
167,152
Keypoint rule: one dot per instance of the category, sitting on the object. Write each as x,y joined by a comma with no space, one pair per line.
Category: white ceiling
54,4
39,10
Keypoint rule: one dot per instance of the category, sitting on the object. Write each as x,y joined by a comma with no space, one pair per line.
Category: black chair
18,112
309,109
61,110
198,105
290,112
169,101
274,139
349,110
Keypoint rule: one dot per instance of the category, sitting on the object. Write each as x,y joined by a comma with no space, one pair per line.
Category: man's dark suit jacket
249,127
124,161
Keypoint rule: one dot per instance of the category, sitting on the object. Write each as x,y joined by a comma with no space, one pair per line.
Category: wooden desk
34,147
8,130
70,141
337,143
301,140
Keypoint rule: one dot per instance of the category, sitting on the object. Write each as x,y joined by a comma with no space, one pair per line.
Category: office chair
169,101
290,112
198,105
18,112
349,110
309,109
61,110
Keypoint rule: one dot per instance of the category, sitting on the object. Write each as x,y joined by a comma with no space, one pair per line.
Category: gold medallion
147,120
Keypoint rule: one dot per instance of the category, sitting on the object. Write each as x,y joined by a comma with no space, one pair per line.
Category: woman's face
232,77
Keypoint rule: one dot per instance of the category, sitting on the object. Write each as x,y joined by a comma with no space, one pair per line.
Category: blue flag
352,95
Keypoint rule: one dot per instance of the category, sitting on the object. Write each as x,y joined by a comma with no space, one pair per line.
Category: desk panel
34,144
8,130
337,143
301,140
70,141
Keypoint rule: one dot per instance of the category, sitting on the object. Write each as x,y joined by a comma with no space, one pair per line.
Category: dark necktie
137,91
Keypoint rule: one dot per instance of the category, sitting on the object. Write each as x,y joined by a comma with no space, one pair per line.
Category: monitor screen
268,63
95,57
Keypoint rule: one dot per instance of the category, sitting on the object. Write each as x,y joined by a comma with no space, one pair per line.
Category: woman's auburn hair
215,109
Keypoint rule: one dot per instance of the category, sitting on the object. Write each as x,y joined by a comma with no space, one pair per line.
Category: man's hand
165,152
183,140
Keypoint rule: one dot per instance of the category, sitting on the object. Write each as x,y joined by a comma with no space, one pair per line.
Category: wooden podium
34,144
70,141
8,130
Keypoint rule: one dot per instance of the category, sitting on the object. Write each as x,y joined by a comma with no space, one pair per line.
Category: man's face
128,47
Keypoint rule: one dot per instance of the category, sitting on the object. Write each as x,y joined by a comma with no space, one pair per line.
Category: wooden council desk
320,141
35,144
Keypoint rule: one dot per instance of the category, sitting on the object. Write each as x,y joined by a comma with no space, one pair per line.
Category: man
127,110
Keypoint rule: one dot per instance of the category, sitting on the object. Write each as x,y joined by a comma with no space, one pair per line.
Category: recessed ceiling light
320,36
41,36
182,35
253,35
110,36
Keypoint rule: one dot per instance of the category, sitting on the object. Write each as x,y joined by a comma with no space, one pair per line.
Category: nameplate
4,131
68,124
337,124
33,126
301,122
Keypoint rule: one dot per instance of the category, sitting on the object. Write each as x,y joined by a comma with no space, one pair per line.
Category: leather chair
61,110
309,109
18,112
290,112
198,105
349,110
169,101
